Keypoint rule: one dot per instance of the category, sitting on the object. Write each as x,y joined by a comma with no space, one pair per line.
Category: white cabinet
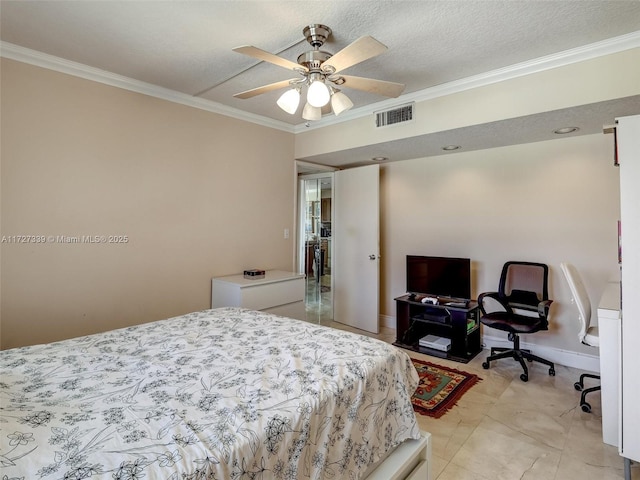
609,335
279,292
628,144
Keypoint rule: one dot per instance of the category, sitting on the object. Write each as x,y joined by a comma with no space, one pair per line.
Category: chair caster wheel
577,386
485,365
524,377
586,407
552,372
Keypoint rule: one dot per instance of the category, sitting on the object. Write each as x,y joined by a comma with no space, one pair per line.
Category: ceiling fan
320,73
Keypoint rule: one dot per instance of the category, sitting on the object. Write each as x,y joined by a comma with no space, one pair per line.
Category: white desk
609,333
279,292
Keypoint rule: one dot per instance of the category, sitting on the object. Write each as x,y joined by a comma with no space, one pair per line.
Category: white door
356,247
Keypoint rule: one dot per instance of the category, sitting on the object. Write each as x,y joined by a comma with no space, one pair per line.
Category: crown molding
39,59
560,59
567,57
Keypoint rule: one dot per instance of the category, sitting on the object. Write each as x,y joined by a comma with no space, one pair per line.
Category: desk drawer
271,295
291,310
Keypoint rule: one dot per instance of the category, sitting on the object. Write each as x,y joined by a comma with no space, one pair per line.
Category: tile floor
505,429
319,300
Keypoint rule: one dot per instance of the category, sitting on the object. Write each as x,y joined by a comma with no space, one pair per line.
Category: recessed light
565,130
379,159
451,147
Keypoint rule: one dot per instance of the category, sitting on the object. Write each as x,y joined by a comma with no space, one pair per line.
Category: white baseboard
568,358
387,321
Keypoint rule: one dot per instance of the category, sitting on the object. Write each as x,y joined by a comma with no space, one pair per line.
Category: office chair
587,334
520,306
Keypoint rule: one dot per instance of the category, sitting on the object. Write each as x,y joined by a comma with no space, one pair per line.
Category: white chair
587,334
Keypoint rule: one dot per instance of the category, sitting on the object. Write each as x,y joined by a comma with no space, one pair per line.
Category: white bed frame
410,461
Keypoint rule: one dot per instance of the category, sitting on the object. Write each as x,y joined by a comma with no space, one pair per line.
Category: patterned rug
439,388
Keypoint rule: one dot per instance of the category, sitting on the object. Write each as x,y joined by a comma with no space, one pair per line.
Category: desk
609,333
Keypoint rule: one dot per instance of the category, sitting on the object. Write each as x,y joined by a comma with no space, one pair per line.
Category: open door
356,247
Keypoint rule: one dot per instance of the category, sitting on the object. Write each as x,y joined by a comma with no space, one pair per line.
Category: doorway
315,241
338,243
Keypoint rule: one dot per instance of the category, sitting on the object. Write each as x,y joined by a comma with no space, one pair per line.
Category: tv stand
455,320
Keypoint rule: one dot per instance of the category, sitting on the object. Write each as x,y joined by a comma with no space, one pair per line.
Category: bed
220,394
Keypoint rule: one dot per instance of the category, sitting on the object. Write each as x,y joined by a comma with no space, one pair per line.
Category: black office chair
521,305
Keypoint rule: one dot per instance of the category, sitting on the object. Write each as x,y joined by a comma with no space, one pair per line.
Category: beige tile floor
319,300
505,429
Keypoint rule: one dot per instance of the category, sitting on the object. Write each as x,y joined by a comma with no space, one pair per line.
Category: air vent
401,114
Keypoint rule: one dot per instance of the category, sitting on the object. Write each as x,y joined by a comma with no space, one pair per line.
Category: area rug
439,388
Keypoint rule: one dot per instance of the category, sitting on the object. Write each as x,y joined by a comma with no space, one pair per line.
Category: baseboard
581,361
387,321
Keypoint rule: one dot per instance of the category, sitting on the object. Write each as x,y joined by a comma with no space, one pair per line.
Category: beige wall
197,194
550,202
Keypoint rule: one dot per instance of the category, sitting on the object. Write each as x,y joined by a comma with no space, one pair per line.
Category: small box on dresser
253,274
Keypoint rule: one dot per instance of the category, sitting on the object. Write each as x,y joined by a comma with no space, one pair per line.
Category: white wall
549,202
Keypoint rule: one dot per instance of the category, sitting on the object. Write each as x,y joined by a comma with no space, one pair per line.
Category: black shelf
415,319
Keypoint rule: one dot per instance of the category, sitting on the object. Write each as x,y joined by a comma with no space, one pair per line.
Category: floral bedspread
218,394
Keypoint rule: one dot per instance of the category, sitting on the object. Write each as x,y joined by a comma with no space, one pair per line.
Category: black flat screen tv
439,276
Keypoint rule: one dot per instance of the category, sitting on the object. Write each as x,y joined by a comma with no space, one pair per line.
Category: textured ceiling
186,46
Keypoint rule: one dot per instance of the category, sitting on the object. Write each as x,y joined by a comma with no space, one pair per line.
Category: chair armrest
543,308
494,296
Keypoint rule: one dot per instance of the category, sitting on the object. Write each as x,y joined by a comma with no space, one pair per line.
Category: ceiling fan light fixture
318,94
309,112
319,73
340,102
289,100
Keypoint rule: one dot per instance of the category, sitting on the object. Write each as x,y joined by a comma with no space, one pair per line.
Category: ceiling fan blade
263,89
359,51
379,87
255,52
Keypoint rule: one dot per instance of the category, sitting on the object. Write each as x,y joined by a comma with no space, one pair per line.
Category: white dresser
279,292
